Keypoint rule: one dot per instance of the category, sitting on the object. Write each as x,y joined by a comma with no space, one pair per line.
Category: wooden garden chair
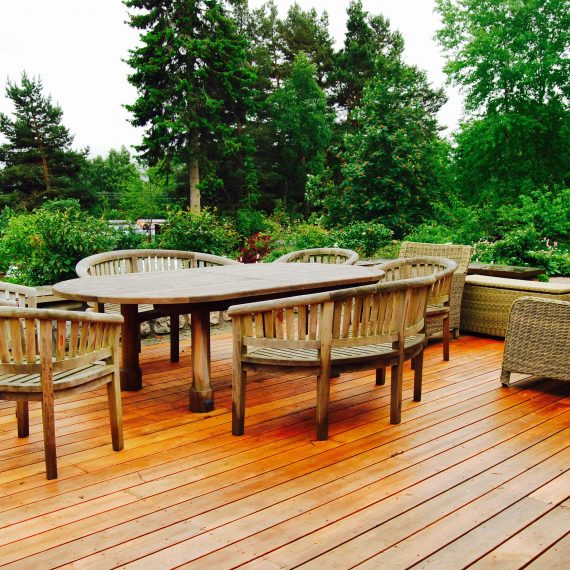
361,328
320,255
21,295
144,260
443,270
46,354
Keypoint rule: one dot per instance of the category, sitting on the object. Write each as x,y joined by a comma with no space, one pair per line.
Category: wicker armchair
144,260
461,254
320,255
538,339
442,269
46,354
363,328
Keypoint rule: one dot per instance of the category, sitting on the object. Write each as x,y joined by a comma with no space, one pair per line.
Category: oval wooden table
199,291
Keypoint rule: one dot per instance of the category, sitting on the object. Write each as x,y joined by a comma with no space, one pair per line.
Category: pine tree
38,162
194,84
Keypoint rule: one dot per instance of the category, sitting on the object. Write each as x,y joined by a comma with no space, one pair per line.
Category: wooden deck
475,475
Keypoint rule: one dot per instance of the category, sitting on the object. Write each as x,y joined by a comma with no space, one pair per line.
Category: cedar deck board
184,488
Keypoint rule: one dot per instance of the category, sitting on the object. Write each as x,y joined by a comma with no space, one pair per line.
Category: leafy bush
431,232
128,238
43,247
256,248
297,236
248,222
203,232
366,238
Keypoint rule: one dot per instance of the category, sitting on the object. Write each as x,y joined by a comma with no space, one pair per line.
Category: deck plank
474,473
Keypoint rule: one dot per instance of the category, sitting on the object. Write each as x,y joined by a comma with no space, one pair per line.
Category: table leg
201,392
131,375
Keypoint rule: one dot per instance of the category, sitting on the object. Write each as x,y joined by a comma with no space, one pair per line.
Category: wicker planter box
487,301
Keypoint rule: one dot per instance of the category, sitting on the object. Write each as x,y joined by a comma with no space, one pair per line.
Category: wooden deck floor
475,476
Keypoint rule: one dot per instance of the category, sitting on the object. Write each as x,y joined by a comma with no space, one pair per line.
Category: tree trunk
45,169
194,179
43,157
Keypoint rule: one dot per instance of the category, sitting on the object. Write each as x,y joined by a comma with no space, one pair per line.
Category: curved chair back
20,295
461,254
142,260
320,255
441,268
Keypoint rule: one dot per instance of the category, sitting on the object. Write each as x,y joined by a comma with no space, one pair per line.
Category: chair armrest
60,315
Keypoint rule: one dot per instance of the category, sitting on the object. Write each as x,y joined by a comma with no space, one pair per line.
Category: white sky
77,47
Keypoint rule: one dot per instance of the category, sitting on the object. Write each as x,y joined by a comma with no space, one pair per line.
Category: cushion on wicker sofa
487,301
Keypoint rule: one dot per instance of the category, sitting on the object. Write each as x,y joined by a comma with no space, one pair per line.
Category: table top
211,284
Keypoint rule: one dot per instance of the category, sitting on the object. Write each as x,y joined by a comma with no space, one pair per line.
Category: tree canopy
38,161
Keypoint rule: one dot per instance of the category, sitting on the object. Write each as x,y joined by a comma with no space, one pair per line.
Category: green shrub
295,237
366,238
248,222
203,232
44,246
431,232
128,238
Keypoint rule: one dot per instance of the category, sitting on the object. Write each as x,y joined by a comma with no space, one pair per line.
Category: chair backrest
461,254
441,268
143,260
385,312
320,255
21,295
35,340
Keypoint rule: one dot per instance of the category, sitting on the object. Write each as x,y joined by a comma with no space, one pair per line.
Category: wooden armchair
320,255
442,269
46,354
538,339
21,295
461,254
144,260
353,329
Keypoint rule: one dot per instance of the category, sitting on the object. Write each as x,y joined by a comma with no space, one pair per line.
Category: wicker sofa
487,301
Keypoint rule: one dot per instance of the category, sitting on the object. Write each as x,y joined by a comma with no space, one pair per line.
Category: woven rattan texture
485,309
538,338
461,254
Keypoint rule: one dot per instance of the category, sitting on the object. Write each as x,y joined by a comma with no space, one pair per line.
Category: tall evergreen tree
307,32
37,161
194,84
367,38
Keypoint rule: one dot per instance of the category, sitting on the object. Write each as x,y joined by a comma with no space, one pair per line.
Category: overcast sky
77,47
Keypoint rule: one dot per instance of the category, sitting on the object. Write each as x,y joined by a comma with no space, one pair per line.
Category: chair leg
396,385
48,419
23,417
418,374
456,333
380,376
239,382
446,338
505,377
115,412
174,339
323,396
